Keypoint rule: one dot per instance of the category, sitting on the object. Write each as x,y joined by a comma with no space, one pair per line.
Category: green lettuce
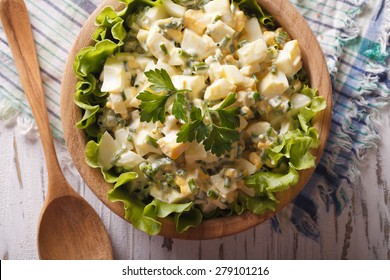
307,113
145,217
266,182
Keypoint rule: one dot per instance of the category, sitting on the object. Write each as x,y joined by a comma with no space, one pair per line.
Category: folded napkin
354,36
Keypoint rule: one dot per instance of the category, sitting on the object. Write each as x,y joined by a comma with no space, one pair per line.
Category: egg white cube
121,137
107,148
117,104
258,128
273,84
218,183
244,165
155,41
114,75
151,15
221,8
170,147
197,20
250,69
175,59
232,73
219,30
194,152
284,63
253,30
161,65
202,46
214,68
174,9
142,36
253,53
129,159
292,47
219,89
142,145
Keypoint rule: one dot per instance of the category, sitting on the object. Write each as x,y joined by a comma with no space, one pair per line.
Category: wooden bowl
314,64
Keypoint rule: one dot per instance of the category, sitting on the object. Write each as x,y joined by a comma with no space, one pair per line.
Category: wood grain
316,68
69,228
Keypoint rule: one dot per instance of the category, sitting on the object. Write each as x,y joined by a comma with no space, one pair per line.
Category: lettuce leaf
134,210
268,182
258,204
145,216
307,113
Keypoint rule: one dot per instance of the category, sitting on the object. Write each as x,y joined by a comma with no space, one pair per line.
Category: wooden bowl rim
285,14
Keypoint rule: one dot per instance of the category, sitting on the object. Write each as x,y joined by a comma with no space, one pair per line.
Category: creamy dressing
213,50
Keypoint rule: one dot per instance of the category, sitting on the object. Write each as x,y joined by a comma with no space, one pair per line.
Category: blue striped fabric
354,35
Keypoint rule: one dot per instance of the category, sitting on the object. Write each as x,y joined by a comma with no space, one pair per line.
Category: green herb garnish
153,105
217,136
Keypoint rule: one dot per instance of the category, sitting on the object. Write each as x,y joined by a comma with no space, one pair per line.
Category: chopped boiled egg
197,20
107,149
220,8
158,45
142,36
289,59
232,73
200,46
219,30
117,104
240,20
129,159
253,52
174,9
253,30
114,75
273,84
219,89
122,138
258,128
151,15
170,147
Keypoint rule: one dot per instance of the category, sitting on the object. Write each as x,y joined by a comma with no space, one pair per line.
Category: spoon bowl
67,219
69,228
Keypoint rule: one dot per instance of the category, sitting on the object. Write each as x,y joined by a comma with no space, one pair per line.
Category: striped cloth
354,35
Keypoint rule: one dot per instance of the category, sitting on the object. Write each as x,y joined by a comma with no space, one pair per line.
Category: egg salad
195,109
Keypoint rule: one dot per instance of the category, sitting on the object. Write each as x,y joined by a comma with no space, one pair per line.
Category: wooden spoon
69,228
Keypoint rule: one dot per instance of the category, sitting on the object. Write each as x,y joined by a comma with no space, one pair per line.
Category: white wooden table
362,231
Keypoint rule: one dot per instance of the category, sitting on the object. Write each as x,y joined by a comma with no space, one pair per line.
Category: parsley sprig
214,128
153,105
218,134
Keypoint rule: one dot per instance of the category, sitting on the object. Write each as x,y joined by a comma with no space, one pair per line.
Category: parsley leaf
160,80
229,117
179,109
217,137
195,129
152,106
220,139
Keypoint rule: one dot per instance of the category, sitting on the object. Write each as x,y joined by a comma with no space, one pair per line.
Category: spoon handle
17,27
